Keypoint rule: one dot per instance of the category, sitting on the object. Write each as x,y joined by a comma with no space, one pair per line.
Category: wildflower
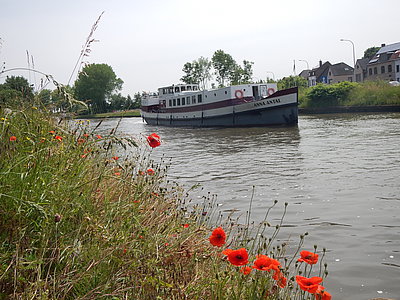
185,225
52,132
238,257
308,257
217,237
154,140
280,279
310,285
245,270
81,141
85,135
34,107
99,136
265,263
13,138
321,294
117,173
83,155
124,250
58,138
150,172
141,173
57,218
115,157
136,201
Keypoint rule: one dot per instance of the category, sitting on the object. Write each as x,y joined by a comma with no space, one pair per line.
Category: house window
350,79
375,70
389,68
398,68
370,71
358,77
382,69
199,99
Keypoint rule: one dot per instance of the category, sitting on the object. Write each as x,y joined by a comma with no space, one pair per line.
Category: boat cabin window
183,88
169,102
177,89
189,87
174,102
183,101
170,90
187,100
178,101
199,98
195,88
193,99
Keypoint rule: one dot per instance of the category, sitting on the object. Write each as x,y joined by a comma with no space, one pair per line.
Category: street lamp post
354,52
308,66
273,75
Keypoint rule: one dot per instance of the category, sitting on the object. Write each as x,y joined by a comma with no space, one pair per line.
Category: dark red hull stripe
219,104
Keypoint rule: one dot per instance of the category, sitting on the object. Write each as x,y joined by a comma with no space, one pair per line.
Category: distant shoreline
348,109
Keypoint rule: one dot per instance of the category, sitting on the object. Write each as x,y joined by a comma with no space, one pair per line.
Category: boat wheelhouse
240,105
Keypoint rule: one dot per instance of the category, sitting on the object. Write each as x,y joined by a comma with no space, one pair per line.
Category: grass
116,114
83,218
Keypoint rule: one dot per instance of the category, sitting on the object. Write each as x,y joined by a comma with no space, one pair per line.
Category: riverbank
349,109
83,217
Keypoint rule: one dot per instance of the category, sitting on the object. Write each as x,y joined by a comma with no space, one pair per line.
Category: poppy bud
57,218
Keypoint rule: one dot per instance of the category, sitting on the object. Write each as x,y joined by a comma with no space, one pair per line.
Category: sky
148,42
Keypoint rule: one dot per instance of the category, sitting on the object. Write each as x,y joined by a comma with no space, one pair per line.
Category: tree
370,52
292,81
241,75
197,72
95,85
19,84
224,66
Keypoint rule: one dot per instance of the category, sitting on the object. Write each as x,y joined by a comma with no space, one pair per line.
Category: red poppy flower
185,225
52,132
308,257
58,138
150,171
245,270
13,138
117,173
265,263
227,251
310,285
281,280
115,157
154,140
238,257
217,237
85,135
320,294
99,136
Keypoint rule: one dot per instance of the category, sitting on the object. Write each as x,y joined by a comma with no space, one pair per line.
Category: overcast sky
148,42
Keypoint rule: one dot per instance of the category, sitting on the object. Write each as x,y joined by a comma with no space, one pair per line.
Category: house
319,74
360,71
340,72
385,65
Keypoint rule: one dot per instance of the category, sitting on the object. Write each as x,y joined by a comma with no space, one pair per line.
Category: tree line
97,86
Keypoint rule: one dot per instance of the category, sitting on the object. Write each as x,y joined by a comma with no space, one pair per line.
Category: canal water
339,174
